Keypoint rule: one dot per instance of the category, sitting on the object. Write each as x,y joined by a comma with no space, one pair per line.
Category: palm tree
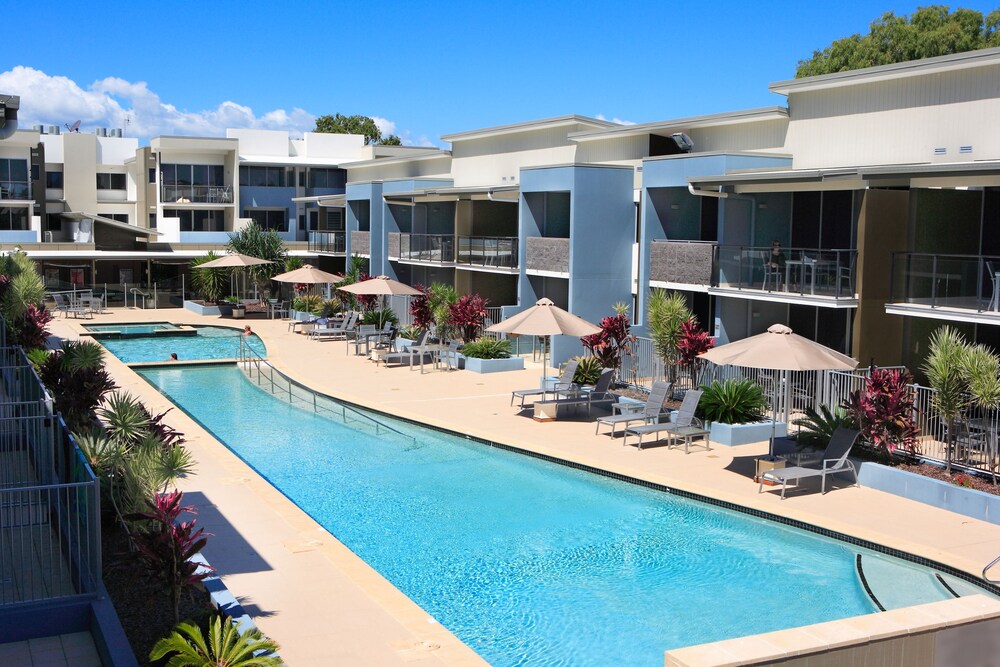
255,241
944,367
208,283
982,374
666,313
226,647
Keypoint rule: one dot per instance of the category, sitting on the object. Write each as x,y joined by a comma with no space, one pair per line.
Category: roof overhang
668,127
336,201
501,193
404,159
530,126
124,226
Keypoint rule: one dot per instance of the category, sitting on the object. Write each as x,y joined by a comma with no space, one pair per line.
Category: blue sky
423,69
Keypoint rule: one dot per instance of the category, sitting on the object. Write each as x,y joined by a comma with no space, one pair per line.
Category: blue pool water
528,562
145,328
210,343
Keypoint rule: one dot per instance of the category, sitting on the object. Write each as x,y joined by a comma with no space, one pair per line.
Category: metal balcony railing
15,190
493,251
196,194
427,247
970,282
800,271
331,242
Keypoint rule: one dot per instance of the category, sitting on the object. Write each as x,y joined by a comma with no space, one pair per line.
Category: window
13,218
14,179
152,221
265,177
326,178
276,219
198,221
192,174
54,179
111,181
34,172
53,222
152,174
119,217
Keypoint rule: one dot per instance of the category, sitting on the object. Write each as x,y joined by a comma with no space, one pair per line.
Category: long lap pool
531,562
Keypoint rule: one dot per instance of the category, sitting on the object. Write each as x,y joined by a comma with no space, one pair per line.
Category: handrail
247,355
986,569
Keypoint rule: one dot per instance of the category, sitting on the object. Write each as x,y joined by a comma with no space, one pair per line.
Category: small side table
763,465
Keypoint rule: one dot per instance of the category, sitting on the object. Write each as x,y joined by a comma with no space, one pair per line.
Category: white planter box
202,310
930,491
745,434
494,365
300,315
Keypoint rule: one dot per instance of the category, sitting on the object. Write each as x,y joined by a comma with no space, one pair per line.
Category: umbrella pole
774,415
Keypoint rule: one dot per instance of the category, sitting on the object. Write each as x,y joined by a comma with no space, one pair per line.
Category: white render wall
899,121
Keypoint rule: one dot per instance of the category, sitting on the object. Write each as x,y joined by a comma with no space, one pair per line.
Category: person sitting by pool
246,331
173,356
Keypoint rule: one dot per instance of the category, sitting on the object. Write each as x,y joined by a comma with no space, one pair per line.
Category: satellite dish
75,127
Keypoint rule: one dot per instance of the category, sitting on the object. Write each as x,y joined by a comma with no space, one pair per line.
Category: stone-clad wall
394,239
361,243
675,262
547,254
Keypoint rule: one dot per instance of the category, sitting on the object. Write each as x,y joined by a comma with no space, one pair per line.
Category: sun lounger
335,331
599,395
834,461
628,414
565,381
406,354
684,429
63,306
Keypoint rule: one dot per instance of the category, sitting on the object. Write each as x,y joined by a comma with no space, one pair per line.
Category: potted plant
735,410
238,309
490,355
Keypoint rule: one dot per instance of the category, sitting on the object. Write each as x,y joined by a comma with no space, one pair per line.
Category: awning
503,193
335,201
83,215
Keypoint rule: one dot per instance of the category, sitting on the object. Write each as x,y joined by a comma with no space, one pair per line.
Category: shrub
818,427
166,546
410,333
588,371
420,309
77,380
487,348
693,341
883,410
310,303
466,316
225,645
666,313
31,330
208,283
379,316
612,341
735,401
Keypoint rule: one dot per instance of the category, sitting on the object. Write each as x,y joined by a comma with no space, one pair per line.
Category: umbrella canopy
380,285
545,319
232,261
308,274
779,349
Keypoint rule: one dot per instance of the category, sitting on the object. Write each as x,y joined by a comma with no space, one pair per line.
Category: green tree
226,647
928,32
666,314
207,283
391,140
255,241
945,371
341,124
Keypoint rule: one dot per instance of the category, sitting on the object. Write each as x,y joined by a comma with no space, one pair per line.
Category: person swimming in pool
173,356
246,331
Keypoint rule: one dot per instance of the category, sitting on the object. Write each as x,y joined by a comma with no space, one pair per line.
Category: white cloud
600,116
57,100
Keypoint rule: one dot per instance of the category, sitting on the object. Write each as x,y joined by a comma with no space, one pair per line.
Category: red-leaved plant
884,411
612,341
420,308
693,341
32,327
166,546
466,316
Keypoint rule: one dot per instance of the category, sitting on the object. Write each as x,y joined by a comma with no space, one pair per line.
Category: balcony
493,252
196,194
361,243
19,190
547,255
332,243
433,248
681,263
963,288
803,275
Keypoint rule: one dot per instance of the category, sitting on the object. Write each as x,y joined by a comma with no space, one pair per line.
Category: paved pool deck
326,606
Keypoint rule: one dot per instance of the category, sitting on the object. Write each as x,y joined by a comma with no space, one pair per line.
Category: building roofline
708,120
954,61
720,153
375,162
530,125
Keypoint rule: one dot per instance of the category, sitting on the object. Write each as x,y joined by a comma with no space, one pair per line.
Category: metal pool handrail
987,568
250,357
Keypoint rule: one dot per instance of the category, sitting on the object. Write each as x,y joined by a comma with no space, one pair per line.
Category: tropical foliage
487,348
883,410
209,284
255,241
930,31
22,293
612,342
693,341
440,297
225,646
944,369
734,401
311,303
76,378
588,370
420,308
817,427
167,546
379,317
466,316
666,314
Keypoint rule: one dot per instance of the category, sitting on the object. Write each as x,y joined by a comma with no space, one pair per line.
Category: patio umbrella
234,261
545,319
308,275
779,349
380,286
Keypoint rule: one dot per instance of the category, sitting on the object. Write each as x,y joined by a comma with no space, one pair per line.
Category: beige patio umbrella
308,274
234,261
779,349
545,319
380,286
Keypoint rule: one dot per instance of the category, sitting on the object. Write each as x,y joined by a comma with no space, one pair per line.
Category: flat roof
910,68
450,193
529,126
678,124
436,154
83,215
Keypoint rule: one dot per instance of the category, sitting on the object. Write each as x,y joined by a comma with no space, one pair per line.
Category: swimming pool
526,561
208,343
144,328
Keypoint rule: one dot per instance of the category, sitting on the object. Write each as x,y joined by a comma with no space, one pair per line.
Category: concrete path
325,606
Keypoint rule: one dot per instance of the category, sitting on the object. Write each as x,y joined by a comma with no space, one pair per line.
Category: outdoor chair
575,397
359,337
384,342
277,308
842,437
772,274
401,355
633,412
685,428
449,355
324,318
565,381
834,461
63,306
